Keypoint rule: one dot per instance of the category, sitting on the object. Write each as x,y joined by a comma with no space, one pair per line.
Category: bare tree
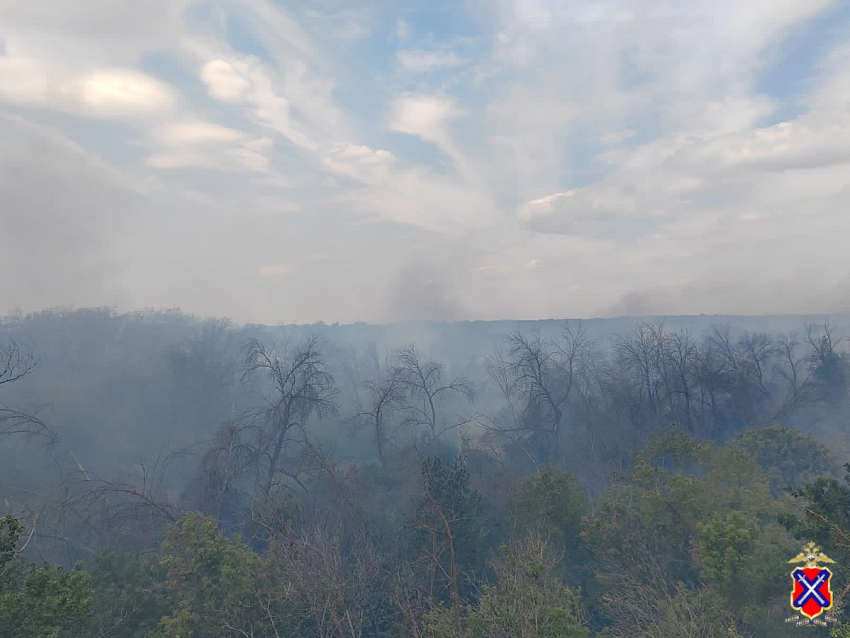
423,381
336,578
229,457
791,366
744,363
758,350
824,345
830,368
640,352
681,356
537,379
23,423
131,511
385,397
297,387
15,363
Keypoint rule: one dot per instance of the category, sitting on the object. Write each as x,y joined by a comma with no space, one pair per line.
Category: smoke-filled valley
611,477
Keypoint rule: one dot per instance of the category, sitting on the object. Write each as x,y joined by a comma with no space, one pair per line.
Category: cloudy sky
376,160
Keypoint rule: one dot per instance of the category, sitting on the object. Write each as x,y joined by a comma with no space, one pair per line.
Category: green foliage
10,532
39,601
696,614
51,603
724,542
831,370
218,586
789,457
685,520
527,601
128,601
445,526
552,502
825,505
826,515
686,544
737,481
676,451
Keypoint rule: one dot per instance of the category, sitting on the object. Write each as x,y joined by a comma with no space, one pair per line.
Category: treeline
557,486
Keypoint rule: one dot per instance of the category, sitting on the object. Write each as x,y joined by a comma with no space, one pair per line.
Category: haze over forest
529,479
432,319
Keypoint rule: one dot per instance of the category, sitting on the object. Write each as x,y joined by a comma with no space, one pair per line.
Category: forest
165,476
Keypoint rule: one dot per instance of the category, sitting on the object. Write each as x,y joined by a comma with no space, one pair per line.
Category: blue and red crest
812,592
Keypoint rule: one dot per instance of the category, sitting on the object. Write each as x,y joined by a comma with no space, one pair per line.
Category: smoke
805,293
60,211
426,291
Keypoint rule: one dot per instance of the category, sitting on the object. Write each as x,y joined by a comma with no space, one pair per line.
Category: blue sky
349,160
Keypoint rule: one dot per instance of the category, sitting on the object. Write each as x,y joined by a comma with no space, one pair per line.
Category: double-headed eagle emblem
811,593
811,556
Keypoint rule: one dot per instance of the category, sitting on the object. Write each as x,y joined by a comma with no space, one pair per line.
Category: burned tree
296,386
15,364
229,458
384,398
537,378
425,388
830,368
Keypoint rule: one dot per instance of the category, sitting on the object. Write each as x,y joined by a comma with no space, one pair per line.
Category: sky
352,160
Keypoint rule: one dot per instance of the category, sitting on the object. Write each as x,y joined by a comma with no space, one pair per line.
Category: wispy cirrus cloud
518,158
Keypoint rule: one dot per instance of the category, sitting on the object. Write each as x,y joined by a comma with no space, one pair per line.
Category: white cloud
360,162
288,97
610,152
194,143
529,125
254,154
210,148
23,81
124,91
420,61
502,269
99,93
429,117
275,28
223,81
807,142
194,132
679,176
426,116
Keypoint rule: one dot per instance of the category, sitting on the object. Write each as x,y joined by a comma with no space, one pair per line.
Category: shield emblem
812,591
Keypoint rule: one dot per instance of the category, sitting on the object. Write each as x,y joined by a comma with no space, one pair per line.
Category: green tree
528,600
219,587
127,602
724,542
691,531
789,457
445,529
553,503
43,601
